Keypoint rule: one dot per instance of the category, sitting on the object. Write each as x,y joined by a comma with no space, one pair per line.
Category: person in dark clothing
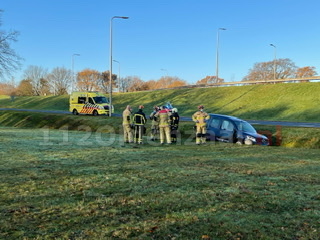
139,120
174,124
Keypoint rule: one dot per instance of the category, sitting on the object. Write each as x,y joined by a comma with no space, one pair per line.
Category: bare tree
9,59
134,84
60,79
38,77
281,69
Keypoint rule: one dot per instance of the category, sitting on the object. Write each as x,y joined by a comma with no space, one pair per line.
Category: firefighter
139,120
200,117
127,123
164,124
154,124
174,124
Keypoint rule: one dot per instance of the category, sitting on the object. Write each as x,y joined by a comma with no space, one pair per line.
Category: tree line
37,81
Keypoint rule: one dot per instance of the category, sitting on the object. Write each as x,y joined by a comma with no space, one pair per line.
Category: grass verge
278,136
77,185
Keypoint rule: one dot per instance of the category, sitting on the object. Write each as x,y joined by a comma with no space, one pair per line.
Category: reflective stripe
88,108
139,119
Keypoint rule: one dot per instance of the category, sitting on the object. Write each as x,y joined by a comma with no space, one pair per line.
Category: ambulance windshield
100,100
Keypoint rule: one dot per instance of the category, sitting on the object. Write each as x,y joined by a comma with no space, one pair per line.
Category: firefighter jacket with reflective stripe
164,118
200,118
139,118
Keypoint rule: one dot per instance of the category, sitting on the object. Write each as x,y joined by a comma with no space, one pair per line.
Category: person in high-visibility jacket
164,124
127,123
154,124
200,118
139,120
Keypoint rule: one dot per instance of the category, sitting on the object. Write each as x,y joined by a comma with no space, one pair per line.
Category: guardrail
242,83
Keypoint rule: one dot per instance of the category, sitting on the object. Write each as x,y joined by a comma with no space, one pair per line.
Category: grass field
278,136
71,177
58,184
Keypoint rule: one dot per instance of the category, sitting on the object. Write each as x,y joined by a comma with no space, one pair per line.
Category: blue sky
169,37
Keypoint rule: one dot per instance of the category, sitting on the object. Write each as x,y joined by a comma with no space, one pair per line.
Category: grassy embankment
58,184
287,102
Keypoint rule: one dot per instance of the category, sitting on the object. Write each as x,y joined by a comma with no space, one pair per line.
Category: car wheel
95,113
75,112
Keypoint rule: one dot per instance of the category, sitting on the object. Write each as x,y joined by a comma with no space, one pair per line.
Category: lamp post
73,76
110,97
119,79
217,55
274,61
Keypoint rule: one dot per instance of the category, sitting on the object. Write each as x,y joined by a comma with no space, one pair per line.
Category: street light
110,97
73,76
119,79
274,61
217,57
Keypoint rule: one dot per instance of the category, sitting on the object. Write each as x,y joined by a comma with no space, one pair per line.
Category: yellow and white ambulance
94,103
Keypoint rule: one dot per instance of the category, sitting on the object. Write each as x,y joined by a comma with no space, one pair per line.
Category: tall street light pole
217,56
73,76
119,79
274,61
110,86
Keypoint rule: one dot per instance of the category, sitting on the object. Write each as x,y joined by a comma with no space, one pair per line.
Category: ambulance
94,103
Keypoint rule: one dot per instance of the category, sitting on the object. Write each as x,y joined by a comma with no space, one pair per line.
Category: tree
135,84
306,72
166,82
210,80
9,59
88,80
104,82
38,77
25,88
285,68
7,88
60,79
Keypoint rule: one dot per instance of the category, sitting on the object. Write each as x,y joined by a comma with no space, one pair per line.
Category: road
253,122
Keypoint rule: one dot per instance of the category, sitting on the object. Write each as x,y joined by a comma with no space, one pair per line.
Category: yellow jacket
164,118
126,117
200,118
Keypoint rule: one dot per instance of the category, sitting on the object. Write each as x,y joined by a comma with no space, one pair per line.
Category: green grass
287,102
58,184
279,136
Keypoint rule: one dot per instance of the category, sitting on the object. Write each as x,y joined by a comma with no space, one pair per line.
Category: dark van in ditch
233,130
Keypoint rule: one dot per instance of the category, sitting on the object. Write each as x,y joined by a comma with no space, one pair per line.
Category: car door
213,128
227,130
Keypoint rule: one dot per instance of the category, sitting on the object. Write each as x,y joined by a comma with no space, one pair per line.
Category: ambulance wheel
95,113
75,112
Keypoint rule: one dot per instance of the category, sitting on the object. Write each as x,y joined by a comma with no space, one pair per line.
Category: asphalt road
253,122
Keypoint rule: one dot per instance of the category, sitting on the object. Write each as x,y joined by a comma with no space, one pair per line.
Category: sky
175,38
